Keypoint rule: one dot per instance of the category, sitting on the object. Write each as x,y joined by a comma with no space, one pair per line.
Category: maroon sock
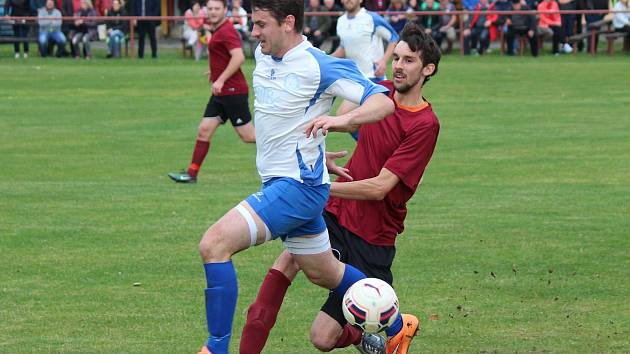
201,150
350,336
262,314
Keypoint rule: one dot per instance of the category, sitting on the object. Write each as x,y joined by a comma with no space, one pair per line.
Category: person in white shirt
294,85
621,20
238,15
362,34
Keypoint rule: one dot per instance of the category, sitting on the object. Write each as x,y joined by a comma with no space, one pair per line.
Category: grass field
517,239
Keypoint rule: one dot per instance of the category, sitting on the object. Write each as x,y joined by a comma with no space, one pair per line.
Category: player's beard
405,86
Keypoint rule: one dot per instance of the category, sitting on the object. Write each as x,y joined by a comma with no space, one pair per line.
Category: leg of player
237,230
246,132
262,314
206,130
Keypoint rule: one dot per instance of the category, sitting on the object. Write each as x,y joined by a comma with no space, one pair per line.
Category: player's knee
205,129
321,341
213,247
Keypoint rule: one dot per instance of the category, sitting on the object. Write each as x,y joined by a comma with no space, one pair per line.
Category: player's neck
218,24
293,41
355,12
411,98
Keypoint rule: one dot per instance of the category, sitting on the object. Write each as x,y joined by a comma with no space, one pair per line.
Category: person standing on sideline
20,27
146,8
367,207
295,85
229,98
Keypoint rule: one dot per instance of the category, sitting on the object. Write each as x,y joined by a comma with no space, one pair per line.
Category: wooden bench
611,38
594,29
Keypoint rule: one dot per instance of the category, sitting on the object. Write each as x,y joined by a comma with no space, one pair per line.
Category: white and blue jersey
362,39
289,93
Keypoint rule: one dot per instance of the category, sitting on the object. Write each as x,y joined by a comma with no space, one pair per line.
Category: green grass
517,239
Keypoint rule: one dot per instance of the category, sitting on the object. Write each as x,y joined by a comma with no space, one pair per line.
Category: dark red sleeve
412,156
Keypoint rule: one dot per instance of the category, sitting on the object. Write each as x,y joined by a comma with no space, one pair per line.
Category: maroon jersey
224,39
403,143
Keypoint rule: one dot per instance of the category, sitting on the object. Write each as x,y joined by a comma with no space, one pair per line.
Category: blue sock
221,295
394,328
351,275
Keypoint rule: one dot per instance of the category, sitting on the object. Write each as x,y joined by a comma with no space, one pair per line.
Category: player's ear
428,70
289,23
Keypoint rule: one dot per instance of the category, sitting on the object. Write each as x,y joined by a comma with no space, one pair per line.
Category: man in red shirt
229,98
366,212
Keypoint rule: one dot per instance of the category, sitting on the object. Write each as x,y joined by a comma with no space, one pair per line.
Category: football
371,304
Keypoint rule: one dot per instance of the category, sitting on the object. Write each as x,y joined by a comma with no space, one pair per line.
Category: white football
371,304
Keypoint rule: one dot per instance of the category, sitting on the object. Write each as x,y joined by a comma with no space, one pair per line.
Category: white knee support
253,229
308,245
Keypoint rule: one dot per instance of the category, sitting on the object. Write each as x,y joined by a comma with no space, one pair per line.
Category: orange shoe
401,341
204,350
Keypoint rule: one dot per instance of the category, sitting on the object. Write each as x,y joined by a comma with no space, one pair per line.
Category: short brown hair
280,9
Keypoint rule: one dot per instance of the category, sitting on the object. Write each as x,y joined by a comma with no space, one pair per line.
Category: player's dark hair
419,41
280,9
224,2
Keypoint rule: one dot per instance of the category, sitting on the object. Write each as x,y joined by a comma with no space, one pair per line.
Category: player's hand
332,166
325,124
381,67
217,86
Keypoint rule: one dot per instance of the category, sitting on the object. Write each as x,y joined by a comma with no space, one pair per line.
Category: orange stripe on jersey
414,109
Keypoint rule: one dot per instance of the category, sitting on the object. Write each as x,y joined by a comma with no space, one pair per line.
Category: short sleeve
383,29
342,78
411,158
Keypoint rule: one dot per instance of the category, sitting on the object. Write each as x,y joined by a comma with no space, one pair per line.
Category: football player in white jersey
294,86
362,34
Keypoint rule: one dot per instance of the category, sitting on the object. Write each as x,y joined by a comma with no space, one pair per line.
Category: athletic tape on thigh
253,230
308,245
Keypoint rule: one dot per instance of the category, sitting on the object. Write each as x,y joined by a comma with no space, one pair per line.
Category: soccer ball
371,304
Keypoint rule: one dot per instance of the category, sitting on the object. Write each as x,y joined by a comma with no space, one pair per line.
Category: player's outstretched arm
373,109
375,188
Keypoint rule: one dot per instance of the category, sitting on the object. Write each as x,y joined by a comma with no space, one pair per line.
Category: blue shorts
290,208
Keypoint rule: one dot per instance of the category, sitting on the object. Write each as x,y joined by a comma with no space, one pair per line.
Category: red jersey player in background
229,98
366,212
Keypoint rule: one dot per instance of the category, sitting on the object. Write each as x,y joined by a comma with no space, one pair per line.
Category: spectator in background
567,21
375,5
550,25
67,8
592,18
102,7
116,30
398,21
238,15
85,30
469,4
430,23
193,25
20,27
522,25
331,6
478,34
49,20
316,27
621,20
146,8
447,25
